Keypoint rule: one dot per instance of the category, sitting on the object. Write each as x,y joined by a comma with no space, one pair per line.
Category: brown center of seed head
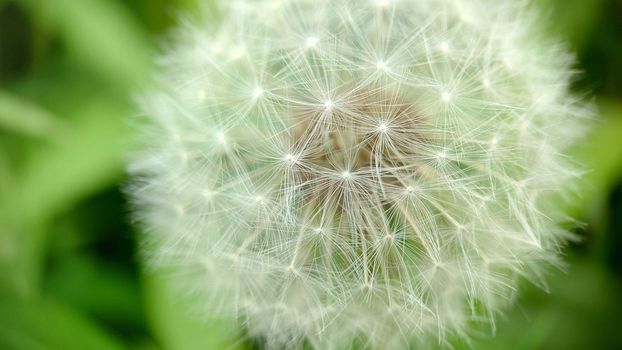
365,140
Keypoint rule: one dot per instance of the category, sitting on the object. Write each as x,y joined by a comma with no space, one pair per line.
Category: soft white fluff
371,171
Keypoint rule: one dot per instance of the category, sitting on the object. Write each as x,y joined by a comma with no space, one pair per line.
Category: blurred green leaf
45,324
102,34
21,258
54,177
601,153
572,19
116,299
583,311
89,159
24,117
6,175
176,329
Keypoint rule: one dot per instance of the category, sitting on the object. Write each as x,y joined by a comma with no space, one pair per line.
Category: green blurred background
70,271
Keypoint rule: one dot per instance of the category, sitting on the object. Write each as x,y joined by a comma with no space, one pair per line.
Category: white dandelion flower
333,172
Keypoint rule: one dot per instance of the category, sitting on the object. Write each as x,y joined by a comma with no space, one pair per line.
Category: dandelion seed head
387,185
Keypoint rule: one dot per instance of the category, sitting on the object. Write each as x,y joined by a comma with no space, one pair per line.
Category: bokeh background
70,269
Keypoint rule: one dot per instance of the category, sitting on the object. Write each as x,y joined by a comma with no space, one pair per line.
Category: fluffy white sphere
373,171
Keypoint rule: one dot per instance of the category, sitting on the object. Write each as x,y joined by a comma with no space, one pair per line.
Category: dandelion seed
524,125
202,95
208,194
383,127
290,158
446,96
328,105
465,18
311,42
257,92
237,53
180,210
